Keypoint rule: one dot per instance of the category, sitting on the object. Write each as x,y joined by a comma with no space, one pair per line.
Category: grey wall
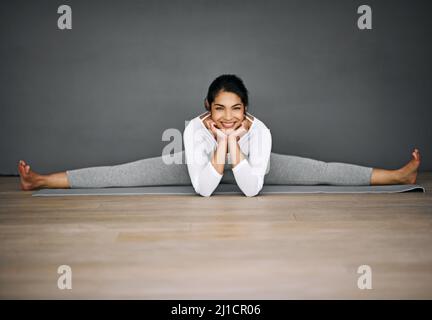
103,92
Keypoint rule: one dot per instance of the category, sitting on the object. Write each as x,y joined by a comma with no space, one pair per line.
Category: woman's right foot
29,180
408,173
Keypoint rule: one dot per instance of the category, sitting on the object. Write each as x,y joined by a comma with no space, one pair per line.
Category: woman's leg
145,172
286,169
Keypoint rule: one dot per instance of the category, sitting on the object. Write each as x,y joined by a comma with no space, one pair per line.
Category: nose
227,115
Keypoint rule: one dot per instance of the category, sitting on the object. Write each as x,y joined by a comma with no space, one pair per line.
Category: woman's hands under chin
217,133
240,131
230,133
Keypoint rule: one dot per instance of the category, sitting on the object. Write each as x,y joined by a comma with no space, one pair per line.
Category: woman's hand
240,131
217,133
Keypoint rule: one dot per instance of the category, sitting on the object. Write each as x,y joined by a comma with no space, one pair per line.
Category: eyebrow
217,104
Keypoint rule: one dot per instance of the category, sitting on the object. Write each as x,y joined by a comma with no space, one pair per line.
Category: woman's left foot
408,173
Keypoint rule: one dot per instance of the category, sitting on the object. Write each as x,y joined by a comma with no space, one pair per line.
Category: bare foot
408,173
29,180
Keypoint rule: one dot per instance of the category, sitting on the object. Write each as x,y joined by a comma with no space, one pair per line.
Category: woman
226,144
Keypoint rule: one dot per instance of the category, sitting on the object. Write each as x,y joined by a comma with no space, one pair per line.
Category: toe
27,168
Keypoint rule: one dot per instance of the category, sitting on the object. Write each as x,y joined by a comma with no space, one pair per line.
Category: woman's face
227,110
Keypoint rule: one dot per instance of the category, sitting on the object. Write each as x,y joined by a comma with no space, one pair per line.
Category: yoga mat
227,189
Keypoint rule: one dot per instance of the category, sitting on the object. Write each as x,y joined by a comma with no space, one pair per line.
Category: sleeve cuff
244,137
213,170
239,165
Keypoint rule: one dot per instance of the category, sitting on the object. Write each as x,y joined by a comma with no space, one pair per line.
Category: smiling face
227,110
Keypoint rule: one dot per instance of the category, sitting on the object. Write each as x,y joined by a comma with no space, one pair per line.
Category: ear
206,104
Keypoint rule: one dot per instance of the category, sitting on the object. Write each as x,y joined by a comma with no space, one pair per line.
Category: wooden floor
224,247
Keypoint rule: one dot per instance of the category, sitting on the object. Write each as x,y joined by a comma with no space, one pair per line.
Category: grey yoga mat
227,189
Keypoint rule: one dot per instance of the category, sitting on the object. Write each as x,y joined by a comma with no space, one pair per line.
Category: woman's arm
249,173
234,149
218,158
233,137
204,176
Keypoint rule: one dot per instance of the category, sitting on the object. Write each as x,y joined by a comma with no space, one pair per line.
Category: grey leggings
284,169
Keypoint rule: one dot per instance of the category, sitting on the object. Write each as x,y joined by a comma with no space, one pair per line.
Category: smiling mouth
228,124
